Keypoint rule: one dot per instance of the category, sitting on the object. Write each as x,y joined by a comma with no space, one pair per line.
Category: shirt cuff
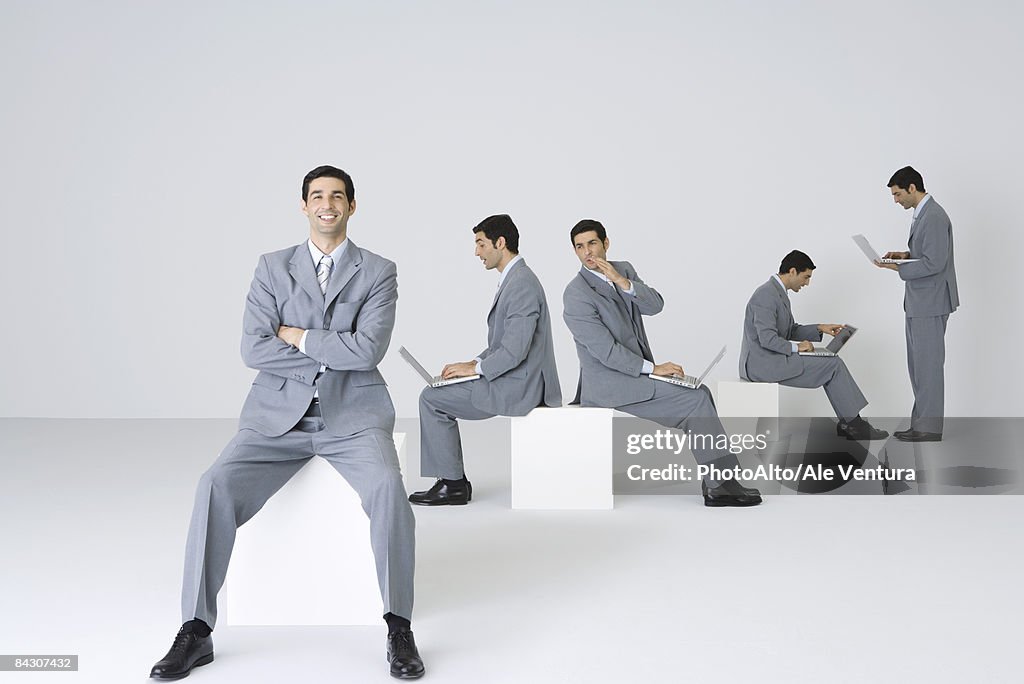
647,368
302,341
477,368
795,345
631,290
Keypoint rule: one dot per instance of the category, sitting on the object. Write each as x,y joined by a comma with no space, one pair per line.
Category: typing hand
669,369
897,255
458,370
805,346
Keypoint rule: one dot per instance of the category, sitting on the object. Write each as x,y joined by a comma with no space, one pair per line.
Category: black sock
461,481
197,627
396,623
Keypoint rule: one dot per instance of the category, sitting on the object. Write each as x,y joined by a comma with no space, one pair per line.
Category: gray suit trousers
688,410
253,467
440,442
926,356
841,389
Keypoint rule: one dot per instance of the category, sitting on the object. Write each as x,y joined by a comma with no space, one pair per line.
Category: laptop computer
689,380
871,254
432,380
833,347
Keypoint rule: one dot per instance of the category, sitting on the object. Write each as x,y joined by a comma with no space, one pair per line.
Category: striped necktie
323,272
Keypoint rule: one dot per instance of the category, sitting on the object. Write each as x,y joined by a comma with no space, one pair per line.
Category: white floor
905,588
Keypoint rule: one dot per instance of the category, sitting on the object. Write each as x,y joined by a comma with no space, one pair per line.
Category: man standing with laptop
517,369
930,295
318,320
604,308
773,343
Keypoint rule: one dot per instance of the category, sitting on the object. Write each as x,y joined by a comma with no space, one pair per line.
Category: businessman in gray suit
517,369
930,295
604,308
772,342
318,320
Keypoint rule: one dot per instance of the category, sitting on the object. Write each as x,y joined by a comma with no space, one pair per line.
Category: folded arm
262,349
364,346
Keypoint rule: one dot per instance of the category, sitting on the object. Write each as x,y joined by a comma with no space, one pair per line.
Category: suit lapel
350,262
501,288
301,267
604,290
787,307
917,220
627,310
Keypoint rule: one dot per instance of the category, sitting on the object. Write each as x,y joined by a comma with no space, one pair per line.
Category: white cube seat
305,558
562,459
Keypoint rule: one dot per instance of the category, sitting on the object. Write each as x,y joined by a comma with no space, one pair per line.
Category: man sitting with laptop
777,349
604,307
517,370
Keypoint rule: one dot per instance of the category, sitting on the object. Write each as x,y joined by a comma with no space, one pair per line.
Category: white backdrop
153,150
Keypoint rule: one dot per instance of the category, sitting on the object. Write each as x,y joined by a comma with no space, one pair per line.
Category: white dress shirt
316,255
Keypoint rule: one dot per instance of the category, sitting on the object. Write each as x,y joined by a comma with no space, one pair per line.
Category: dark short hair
500,225
906,177
798,260
329,172
587,225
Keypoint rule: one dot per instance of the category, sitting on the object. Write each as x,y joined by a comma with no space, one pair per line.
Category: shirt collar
781,284
317,255
920,205
508,267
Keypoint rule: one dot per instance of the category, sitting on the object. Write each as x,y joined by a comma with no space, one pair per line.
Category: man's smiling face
328,207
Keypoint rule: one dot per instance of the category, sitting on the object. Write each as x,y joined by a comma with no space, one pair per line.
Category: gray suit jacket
518,366
766,354
930,284
349,332
611,342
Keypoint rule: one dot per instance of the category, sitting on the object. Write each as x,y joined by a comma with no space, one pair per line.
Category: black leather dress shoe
188,650
860,430
729,493
444,494
748,491
917,436
402,655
